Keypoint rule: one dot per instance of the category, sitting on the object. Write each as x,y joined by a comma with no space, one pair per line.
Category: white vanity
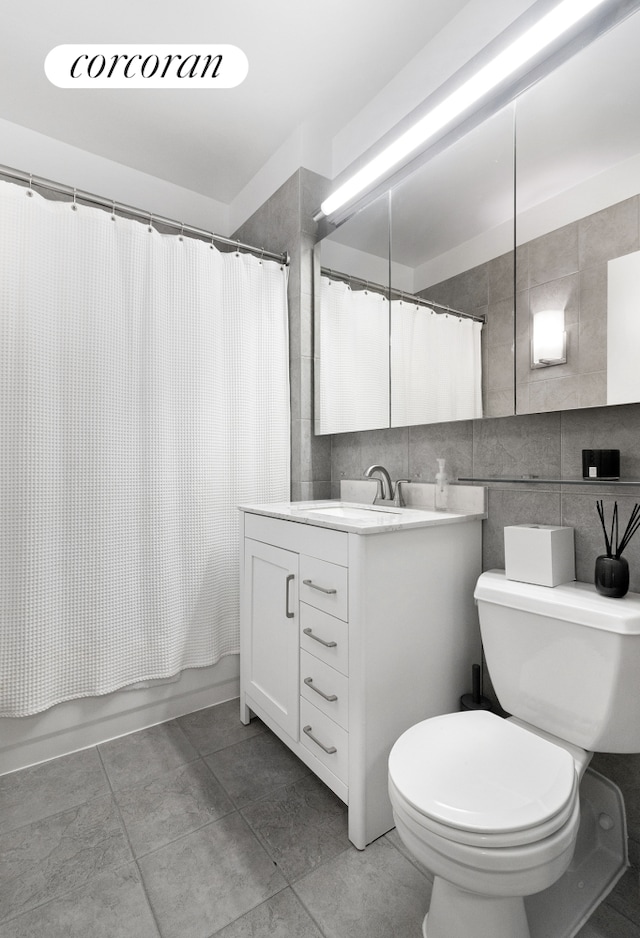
356,622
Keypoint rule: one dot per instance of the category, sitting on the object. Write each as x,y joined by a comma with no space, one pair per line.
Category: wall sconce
549,340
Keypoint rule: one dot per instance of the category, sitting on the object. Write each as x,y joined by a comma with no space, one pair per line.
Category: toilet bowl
492,810
491,806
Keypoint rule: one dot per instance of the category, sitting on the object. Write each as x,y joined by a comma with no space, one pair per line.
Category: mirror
452,244
575,211
390,347
351,324
578,243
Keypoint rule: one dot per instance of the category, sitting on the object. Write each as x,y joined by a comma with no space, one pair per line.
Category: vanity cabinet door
271,617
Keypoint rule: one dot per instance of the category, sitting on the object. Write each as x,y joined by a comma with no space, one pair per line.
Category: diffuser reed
612,569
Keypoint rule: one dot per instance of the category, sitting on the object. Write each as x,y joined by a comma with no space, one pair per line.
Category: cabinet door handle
323,589
328,749
290,615
321,640
309,682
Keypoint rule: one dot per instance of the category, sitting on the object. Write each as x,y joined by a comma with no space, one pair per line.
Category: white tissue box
539,553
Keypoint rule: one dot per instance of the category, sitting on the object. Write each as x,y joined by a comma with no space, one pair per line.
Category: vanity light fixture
549,339
510,60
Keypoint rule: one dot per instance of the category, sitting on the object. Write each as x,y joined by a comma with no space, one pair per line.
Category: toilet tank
564,659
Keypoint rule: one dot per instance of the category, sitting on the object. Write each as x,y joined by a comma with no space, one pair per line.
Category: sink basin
355,512
356,516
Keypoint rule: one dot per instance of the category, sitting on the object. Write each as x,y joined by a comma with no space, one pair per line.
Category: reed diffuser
612,569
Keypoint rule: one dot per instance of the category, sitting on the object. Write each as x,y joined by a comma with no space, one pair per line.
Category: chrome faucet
386,493
385,485
398,498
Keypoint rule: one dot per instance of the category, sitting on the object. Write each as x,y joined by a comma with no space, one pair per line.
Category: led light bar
522,50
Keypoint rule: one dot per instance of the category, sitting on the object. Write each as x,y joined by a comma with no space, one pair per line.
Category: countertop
359,518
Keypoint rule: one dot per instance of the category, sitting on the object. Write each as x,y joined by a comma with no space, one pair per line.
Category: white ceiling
312,64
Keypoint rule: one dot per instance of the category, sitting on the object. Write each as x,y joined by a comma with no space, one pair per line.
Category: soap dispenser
442,487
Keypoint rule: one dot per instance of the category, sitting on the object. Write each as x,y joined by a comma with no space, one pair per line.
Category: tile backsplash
539,445
462,498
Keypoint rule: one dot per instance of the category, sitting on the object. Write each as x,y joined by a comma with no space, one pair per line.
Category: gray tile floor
203,827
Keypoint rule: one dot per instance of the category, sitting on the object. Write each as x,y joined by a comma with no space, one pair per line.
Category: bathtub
87,721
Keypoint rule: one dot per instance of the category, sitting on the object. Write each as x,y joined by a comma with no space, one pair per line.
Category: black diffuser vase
612,576
612,569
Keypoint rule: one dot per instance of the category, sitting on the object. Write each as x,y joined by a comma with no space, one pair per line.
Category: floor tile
111,905
206,880
146,755
607,923
176,803
375,893
254,768
50,787
394,837
215,850
280,917
301,825
218,727
52,856
625,898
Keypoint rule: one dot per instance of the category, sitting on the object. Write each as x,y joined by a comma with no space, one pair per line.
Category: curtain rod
149,217
395,292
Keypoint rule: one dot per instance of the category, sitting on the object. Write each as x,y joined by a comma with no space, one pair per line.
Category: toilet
494,808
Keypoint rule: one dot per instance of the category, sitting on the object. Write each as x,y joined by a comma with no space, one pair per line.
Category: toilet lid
477,772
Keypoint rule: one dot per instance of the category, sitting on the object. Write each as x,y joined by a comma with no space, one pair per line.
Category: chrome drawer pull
309,682
323,589
328,749
321,640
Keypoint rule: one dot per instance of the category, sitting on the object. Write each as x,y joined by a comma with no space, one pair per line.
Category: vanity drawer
325,637
324,543
324,585
325,688
327,735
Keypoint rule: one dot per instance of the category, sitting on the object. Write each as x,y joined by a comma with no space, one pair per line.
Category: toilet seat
476,779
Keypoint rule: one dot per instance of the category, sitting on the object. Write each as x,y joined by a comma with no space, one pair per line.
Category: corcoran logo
146,66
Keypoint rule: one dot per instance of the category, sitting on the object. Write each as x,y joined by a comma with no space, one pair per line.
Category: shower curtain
144,393
436,366
352,358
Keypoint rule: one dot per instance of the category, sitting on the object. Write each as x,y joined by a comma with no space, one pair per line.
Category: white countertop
359,518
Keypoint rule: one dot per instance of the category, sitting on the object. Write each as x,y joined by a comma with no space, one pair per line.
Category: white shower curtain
352,358
436,366
144,393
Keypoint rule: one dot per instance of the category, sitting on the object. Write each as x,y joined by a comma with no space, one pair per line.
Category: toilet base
455,913
599,861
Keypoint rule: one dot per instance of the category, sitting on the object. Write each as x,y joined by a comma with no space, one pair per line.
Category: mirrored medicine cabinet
528,226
